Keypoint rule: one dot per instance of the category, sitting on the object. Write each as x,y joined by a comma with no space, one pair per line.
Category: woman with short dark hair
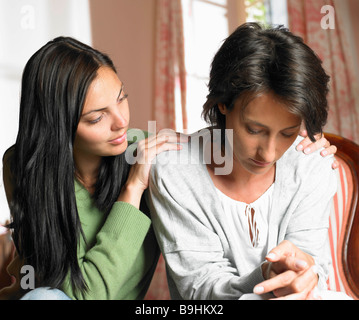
262,226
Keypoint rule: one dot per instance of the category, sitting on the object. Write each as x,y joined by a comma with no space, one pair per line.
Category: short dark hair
255,59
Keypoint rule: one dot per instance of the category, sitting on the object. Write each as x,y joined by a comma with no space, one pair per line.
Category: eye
287,135
124,97
96,120
252,131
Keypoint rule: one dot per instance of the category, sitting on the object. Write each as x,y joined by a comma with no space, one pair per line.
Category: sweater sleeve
309,223
183,215
107,266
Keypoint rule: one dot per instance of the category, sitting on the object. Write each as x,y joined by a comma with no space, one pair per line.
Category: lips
119,139
260,163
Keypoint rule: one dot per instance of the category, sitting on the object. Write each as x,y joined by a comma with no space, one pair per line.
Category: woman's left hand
291,273
307,146
147,150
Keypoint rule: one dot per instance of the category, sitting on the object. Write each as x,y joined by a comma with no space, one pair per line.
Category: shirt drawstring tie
252,224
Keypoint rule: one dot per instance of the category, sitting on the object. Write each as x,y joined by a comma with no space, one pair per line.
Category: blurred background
163,51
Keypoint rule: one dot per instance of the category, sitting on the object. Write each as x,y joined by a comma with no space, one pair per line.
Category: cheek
89,137
284,145
243,145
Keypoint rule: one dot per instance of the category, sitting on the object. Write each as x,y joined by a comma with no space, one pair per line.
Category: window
267,11
205,27
206,24
25,26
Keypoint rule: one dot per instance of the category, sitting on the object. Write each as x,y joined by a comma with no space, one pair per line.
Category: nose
119,120
267,150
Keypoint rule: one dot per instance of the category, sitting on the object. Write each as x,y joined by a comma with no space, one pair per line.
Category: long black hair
254,60
45,221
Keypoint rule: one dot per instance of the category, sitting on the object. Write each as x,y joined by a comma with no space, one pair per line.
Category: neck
241,184
86,170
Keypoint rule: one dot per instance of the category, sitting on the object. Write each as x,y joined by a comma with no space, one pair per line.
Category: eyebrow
98,110
266,127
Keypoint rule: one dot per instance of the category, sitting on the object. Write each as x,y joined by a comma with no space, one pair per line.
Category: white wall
25,26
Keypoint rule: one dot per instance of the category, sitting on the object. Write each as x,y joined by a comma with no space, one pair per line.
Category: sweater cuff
125,218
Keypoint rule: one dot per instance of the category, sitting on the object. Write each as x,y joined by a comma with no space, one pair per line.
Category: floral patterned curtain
332,46
170,70
170,75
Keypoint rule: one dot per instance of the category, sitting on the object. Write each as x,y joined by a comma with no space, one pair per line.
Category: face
262,133
105,118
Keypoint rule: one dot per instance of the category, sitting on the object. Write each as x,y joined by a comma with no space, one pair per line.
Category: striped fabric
338,218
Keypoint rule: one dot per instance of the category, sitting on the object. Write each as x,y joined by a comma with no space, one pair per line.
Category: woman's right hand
147,150
290,273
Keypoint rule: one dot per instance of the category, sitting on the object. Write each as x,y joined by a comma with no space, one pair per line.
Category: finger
285,248
280,281
303,282
303,144
153,140
286,263
313,146
166,147
158,139
174,136
335,165
303,133
146,152
293,263
150,154
329,150
308,146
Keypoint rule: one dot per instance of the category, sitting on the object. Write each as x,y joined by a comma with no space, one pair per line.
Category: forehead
267,109
103,90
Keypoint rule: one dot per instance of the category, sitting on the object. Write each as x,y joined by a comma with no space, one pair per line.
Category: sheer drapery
170,70
332,46
170,75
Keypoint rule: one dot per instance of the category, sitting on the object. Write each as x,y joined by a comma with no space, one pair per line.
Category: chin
117,150
259,170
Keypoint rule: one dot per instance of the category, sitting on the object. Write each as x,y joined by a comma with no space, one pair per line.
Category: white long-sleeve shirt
205,256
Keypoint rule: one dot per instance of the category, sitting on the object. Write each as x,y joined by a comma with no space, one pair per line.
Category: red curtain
170,70
332,46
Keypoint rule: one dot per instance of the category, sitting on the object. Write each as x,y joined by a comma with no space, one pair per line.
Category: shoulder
186,161
300,159
306,167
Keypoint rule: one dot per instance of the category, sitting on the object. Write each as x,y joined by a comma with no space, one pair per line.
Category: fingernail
258,290
271,256
299,147
306,150
324,153
300,264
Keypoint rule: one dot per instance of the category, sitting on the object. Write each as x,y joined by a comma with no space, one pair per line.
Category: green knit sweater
121,253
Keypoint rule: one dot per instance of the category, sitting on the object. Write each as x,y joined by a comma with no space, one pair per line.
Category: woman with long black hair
74,200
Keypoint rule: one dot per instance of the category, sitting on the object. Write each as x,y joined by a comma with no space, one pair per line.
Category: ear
222,108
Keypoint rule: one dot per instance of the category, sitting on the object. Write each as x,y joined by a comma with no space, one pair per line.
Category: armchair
344,220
